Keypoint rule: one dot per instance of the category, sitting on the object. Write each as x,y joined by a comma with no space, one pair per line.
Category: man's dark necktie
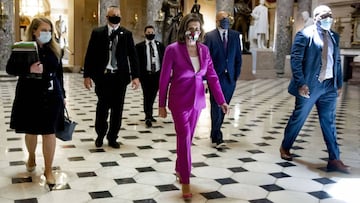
224,40
152,57
114,41
324,56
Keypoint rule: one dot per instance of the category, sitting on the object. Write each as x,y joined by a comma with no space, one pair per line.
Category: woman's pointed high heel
50,183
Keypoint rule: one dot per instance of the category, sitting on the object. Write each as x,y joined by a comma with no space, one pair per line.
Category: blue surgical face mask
225,23
44,37
326,23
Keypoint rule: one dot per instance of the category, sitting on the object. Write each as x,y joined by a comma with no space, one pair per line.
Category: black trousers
150,87
110,91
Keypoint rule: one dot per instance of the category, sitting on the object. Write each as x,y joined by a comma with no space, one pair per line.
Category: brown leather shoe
285,154
337,165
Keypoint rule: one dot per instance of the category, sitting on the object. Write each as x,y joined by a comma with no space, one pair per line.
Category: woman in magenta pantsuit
186,63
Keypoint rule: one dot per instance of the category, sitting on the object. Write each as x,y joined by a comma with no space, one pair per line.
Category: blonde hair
34,25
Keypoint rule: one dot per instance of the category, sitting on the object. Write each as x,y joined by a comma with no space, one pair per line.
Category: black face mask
114,19
150,36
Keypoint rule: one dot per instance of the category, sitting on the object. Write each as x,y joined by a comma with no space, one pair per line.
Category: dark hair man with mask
150,53
111,62
225,51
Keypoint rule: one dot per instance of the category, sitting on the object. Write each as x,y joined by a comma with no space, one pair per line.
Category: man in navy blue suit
316,80
225,50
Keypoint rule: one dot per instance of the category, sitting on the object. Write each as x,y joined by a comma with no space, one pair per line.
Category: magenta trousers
185,123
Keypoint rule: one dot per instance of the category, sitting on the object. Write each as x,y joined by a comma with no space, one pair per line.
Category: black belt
110,71
151,72
34,76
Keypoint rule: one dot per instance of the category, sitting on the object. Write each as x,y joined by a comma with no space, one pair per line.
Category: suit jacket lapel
200,53
185,52
331,34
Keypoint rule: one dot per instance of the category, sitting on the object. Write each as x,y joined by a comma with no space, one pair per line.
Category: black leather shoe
99,142
220,145
285,154
148,123
337,165
114,144
153,120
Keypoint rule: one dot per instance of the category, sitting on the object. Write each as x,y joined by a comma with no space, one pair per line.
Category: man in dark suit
150,53
111,48
225,50
316,80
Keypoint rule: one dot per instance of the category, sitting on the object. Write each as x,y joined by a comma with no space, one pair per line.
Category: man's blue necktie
224,40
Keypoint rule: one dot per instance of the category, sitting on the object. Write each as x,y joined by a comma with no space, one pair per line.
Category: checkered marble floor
142,170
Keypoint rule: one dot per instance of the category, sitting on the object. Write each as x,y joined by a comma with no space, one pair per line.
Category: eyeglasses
326,15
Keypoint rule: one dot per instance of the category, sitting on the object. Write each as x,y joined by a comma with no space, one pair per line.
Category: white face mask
44,37
192,36
326,23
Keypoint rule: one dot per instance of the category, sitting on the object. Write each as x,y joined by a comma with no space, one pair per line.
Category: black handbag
69,127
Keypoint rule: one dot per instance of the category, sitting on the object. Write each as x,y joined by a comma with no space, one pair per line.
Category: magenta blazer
185,86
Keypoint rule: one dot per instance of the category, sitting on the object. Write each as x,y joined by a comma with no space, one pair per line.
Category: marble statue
242,21
172,17
261,24
307,19
196,9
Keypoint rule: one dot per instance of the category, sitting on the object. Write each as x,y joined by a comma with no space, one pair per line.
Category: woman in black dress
38,106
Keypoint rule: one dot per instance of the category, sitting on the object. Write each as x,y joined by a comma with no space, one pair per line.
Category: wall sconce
135,21
290,23
93,18
3,16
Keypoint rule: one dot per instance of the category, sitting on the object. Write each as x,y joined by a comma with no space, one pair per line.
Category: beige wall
134,17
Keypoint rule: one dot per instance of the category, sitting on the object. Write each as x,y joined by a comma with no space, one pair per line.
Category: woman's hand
225,108
162,112
36,67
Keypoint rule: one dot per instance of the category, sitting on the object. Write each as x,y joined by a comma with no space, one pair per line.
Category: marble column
225,5
103,5
6,32
153,14
283,36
